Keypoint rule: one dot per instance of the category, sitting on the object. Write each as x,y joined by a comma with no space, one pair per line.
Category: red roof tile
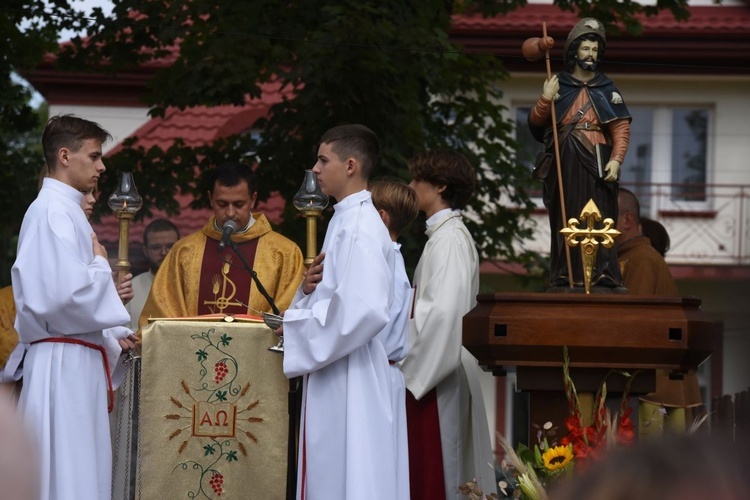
528,20
195,126
714,40
501,35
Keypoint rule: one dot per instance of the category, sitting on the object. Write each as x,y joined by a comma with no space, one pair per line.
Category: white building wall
704,240
720,240
118,121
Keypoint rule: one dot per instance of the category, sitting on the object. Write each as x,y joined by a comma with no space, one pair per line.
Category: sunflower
557,458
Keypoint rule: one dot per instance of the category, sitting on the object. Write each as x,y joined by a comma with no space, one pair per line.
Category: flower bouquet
529,471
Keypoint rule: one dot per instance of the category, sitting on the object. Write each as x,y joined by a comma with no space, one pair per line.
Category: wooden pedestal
601,331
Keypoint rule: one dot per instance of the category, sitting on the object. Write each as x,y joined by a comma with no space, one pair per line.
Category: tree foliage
28,31
389,65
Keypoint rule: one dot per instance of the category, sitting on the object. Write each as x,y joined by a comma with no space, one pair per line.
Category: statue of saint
591,117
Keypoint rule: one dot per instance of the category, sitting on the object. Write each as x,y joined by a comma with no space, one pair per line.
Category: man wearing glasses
158,237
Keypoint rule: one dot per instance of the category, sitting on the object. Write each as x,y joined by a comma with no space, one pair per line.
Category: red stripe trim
96,347
304,449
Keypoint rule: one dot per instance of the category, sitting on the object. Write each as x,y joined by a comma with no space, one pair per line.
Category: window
669,145
689,153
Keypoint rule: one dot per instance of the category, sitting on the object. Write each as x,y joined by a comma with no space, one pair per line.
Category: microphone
229,227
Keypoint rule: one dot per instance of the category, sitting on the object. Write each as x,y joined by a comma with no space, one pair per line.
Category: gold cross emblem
590,237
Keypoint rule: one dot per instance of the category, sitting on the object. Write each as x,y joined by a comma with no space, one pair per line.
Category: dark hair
159,226
398,200
68,131
446,168
354,141
572,54
230,174
674,467
627,203
657,233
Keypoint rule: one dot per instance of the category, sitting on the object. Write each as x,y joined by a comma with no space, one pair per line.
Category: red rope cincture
90,345
304,451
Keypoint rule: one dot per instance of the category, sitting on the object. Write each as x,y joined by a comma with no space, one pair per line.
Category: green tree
389,65
21,159
28,30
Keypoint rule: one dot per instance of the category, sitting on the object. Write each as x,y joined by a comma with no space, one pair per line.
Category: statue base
602,331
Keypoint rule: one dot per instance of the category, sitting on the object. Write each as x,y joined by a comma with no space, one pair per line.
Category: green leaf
208,450
201,354
389,65
231,456
221,395
225,340
525,453
538,456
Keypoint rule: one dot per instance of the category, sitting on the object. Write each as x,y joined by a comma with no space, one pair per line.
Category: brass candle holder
310,201
124,202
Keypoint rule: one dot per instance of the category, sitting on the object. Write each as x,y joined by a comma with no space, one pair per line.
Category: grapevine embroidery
227,363
215,415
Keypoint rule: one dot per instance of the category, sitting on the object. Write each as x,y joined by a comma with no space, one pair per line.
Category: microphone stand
293,401
254,276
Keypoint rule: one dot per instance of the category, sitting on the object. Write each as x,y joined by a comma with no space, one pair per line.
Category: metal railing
708,224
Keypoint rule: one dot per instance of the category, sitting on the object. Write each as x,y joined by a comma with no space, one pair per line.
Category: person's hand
97,247
550,88
280,330
314,274
125,288
612,168
128,343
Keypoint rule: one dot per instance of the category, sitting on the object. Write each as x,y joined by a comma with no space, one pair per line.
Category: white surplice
141,288
395,339
62,290
447,282
347,447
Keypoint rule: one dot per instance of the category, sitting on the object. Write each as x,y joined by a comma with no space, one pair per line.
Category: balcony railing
708,224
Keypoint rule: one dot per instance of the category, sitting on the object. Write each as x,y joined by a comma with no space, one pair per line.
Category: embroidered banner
214,416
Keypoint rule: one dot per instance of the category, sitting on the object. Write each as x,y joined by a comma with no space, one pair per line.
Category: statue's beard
588,64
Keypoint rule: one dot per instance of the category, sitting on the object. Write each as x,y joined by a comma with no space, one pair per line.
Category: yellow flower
557,458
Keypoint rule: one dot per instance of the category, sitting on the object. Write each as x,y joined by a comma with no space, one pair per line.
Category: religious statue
592,130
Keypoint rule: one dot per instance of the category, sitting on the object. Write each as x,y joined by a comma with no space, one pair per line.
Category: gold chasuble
196,278
214,417
8,335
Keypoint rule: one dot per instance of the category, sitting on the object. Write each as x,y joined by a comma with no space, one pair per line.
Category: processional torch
534,49
310,201
124,202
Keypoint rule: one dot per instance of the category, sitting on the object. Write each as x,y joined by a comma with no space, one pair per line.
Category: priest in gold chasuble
197,277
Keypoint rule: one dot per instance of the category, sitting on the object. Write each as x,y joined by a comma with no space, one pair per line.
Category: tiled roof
189,220
714,40
201,124
500,35
528,20
195,126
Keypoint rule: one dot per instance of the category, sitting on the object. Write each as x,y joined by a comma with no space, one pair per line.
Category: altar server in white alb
347,445
449,439
397,205
69,320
